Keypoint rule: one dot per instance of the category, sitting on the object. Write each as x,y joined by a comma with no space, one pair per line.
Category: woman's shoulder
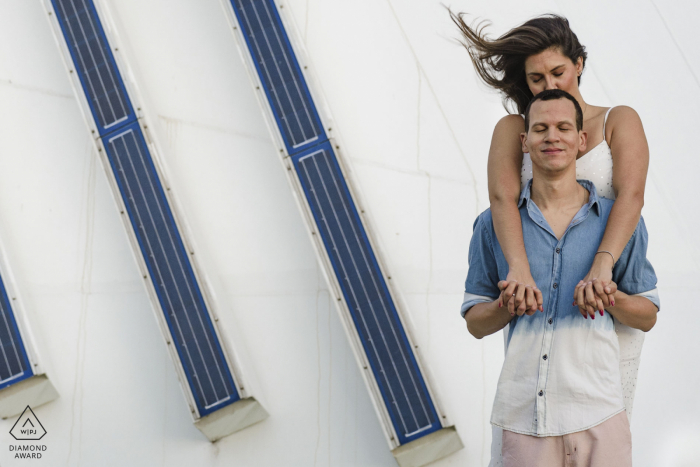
512,123
622,118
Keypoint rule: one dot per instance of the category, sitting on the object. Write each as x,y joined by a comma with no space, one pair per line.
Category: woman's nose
549,83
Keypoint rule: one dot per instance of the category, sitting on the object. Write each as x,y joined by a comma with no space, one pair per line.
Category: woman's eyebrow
551,71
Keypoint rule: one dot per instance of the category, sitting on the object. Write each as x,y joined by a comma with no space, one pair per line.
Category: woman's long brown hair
500,63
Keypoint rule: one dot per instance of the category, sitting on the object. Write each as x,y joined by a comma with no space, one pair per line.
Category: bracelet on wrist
611,255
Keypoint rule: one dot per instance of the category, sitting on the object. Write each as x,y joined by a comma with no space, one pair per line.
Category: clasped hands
590,296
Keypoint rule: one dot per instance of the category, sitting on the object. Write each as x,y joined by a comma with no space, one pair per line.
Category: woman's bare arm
504,165
630,151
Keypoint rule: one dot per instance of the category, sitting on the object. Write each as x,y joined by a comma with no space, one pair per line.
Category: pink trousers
607,444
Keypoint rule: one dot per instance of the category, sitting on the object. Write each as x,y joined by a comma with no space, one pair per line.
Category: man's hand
517,301
594,296
519,298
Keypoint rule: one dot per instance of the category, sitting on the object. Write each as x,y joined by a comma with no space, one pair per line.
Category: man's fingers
530,302
580,301
508,293
590,300
600,292
580,283
520,299
538,298
502,285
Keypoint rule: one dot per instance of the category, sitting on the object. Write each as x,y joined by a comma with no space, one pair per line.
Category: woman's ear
579,66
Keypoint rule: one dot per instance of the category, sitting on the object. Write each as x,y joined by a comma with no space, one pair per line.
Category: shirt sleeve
633,273
482,279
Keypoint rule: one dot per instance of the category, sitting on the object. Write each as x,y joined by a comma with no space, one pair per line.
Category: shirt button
550,320
541,393
544,357
556,285
558,250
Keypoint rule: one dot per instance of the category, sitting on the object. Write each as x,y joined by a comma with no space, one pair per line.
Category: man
559,397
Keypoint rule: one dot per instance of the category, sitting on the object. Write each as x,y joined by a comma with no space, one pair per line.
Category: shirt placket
547,341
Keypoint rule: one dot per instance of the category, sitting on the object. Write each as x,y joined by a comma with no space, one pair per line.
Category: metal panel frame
18,322
111,35
298,191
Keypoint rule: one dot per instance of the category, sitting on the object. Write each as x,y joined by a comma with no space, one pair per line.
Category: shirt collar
593,200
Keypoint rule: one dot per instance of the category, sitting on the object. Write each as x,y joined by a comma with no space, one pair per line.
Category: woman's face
552,70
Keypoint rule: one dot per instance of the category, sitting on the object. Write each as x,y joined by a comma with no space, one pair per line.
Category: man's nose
552,136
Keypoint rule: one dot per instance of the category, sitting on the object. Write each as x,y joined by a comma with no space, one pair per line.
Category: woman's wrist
603,261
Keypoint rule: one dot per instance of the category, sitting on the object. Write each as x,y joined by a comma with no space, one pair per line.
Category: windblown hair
500,63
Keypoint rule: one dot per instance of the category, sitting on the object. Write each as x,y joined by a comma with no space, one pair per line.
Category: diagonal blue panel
94,62
279,71
355,268
160,243
371,306
14,362
171,272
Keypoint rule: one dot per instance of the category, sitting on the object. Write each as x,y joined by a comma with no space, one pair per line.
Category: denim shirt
561,372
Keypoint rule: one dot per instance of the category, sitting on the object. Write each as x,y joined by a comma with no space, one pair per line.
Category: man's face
552,139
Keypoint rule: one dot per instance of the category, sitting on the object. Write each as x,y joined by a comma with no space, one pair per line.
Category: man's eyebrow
552,70
561,122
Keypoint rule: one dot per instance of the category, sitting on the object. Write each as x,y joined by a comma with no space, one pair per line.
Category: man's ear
583,140
523,140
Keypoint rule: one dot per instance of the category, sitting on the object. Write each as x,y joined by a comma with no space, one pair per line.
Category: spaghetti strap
604,122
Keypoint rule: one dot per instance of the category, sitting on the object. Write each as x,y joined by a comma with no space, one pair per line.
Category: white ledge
231,418
429,448
32,392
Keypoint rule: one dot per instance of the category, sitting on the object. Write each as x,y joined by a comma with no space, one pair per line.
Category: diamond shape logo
28,427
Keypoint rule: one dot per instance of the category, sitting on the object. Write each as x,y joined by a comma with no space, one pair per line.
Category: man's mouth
552,151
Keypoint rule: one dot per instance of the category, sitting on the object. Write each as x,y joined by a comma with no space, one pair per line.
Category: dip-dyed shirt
561,372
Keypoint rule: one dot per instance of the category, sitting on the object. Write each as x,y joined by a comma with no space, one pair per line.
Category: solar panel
279,72
170,270
94,63
353,264
366,294
160,244
14,362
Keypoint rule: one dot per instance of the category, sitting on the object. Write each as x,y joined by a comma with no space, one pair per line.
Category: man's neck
559,197
557,191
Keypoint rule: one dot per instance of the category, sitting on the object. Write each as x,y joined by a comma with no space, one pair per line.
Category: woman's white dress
596,166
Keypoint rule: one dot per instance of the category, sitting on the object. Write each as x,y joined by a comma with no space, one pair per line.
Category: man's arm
481,287
636,311
484,319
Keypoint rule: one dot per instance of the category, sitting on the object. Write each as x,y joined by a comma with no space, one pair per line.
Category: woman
544,53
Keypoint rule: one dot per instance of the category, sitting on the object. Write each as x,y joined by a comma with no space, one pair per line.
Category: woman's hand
527,298
594,296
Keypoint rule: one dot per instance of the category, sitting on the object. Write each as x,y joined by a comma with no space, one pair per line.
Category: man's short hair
551,94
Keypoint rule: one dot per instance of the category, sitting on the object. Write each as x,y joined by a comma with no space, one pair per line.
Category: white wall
415,125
